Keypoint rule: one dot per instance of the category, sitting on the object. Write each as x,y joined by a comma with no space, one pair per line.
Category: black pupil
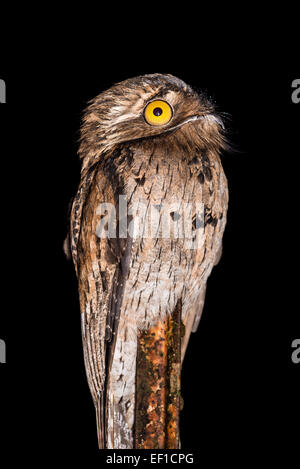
157,111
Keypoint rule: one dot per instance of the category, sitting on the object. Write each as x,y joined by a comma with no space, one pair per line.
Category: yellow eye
158,113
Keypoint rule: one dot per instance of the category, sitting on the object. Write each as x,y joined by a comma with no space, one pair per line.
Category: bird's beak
210,118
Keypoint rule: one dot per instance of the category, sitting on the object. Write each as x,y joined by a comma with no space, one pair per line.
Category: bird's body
128,284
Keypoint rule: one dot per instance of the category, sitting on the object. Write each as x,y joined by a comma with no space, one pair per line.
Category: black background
240,387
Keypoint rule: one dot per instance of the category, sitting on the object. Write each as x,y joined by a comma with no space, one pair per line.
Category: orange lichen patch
158,385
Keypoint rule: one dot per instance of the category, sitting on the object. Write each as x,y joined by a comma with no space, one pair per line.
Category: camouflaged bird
155,141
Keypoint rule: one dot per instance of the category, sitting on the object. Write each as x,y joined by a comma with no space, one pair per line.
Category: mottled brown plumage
129,285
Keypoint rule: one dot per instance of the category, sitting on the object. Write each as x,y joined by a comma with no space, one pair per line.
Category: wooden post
158,384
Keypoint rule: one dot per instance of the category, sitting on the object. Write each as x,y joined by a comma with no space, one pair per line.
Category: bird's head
144,107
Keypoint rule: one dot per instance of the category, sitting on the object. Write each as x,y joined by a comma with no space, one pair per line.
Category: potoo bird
145,232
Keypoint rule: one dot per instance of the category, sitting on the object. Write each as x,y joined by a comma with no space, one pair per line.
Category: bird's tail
100,419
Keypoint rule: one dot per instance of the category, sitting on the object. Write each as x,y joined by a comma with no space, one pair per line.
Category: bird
150,150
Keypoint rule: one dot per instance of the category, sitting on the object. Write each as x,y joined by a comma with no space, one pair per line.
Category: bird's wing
215,213
201,300
101,265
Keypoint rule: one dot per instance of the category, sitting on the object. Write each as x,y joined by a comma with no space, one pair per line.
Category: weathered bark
158,384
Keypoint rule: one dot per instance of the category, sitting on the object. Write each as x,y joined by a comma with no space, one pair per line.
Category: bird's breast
165,204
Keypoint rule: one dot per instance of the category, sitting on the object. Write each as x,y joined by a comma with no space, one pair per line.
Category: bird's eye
158,113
